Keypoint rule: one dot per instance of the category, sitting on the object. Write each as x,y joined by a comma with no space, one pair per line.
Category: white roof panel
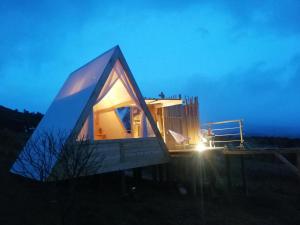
64,112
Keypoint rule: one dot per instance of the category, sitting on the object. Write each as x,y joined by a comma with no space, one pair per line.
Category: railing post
241,132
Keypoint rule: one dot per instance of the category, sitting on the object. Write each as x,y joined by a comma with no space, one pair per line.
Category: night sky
242,58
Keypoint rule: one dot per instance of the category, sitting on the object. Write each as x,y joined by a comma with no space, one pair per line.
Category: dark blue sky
242,58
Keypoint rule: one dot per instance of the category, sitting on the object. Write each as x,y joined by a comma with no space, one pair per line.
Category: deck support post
228,173
123,183
298,160
201,168
168,174
137,174
195,171
154,173
211,175
288,164
244,175
160,173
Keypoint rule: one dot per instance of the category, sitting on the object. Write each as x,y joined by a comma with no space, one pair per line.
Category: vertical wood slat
183,119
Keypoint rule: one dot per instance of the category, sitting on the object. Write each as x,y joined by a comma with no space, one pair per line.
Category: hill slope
18,121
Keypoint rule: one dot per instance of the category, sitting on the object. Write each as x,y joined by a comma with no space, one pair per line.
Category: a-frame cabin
102,104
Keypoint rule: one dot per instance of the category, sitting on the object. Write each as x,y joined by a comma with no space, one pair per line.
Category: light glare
200,147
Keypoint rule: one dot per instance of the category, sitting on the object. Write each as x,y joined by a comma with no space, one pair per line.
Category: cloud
239,51
265,96
280,17
294,80
204,32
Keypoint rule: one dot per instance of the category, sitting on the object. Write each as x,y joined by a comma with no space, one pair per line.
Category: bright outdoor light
204,140
200,147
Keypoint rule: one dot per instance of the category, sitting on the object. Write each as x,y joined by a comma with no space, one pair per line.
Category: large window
116,113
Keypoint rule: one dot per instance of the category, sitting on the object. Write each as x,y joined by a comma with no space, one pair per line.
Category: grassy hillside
18,121
15,128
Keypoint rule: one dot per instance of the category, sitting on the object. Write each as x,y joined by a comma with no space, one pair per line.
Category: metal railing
224,132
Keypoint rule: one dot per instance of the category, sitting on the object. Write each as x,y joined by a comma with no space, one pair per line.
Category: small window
125,117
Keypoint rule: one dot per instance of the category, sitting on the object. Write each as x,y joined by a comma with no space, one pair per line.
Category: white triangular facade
99,102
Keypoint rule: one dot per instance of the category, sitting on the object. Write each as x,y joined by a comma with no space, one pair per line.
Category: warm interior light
200,147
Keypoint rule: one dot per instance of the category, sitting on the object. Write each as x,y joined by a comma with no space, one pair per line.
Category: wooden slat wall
183,119
127,153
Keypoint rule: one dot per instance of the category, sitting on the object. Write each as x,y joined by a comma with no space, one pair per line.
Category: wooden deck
191,159
239,151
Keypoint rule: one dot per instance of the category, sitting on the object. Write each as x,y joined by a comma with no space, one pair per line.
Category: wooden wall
183,119
122,154
129,153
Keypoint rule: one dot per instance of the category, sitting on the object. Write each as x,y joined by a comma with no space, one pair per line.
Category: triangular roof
71,107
